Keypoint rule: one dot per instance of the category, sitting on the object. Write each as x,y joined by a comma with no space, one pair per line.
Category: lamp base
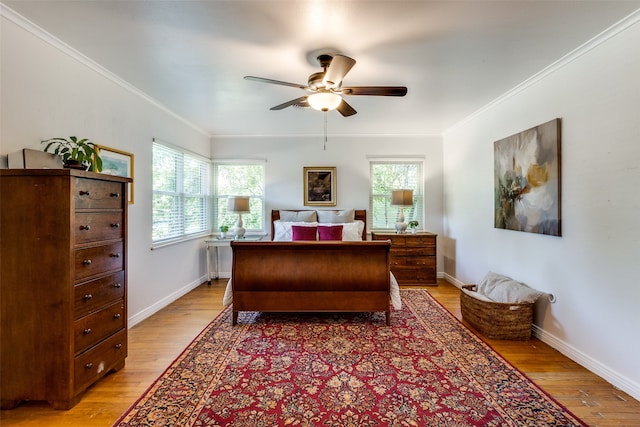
239,232
401,227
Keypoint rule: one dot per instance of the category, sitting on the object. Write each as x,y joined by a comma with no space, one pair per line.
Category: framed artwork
527,180
319,186
117,162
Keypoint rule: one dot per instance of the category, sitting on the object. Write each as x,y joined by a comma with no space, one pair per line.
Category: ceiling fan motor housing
315,80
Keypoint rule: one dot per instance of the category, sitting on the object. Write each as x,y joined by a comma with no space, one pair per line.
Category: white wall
286,157
594,268
50,90
48,93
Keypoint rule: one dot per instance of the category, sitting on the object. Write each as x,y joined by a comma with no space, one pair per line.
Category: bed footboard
311,277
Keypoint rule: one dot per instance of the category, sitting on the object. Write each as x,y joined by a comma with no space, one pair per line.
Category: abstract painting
527,180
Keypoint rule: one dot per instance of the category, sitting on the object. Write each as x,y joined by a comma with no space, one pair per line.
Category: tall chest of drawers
412,257
63,283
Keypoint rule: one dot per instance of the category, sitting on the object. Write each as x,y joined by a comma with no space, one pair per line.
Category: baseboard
588,362
574,354
455,282
152,309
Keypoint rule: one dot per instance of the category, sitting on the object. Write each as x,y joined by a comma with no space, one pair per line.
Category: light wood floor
157,341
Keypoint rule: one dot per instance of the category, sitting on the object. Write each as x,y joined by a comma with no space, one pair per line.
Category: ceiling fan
326,87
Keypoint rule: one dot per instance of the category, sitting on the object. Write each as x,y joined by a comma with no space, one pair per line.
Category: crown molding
612,31
32,28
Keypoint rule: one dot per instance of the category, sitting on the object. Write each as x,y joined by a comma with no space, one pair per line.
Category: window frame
418,211
181,195
216,196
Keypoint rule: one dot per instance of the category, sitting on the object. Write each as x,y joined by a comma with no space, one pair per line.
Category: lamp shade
324,101
402,197
238,204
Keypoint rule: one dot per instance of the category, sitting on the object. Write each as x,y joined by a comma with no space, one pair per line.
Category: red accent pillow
300,232
333,232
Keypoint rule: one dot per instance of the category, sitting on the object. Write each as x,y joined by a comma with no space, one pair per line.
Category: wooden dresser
63,282
412,257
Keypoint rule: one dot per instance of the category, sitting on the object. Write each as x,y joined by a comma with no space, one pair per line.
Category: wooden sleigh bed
311,276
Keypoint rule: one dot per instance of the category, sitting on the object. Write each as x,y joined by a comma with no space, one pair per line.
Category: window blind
181,194
386,176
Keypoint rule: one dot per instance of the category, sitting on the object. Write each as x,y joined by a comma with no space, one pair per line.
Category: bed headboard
359,214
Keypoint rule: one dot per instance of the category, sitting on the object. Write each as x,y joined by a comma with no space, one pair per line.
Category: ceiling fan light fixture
324,101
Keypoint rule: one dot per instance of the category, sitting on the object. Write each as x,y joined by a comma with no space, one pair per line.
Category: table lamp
239,205
402,198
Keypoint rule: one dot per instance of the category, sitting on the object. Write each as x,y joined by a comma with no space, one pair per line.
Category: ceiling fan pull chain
325,131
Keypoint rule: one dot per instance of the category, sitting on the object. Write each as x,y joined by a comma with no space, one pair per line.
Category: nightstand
217,242
412,257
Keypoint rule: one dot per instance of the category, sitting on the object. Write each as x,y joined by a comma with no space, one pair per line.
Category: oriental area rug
344,370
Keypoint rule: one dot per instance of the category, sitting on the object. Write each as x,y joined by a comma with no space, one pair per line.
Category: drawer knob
88,365
84,193
116,195
118,346
115,225
116,255
86,262
87,331
87,297
117,285
116,316
85,227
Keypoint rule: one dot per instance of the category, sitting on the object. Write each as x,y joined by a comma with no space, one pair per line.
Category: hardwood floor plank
158,340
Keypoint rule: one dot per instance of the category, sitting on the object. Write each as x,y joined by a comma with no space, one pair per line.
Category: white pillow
352,231
298,216
282,229
336,217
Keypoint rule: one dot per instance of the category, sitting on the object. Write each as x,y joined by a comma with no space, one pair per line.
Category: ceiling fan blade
338,68
300,102
375,90
345,109
274,82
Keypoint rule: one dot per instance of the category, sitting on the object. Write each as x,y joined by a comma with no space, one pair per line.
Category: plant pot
74,164
413,231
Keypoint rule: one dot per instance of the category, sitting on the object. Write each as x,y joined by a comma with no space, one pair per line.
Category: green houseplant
223,230
413,225
76,153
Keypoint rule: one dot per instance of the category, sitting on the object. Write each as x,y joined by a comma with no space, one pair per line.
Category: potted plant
413,225
76,153
223,231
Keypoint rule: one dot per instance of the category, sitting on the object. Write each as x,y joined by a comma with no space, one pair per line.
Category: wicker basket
496,320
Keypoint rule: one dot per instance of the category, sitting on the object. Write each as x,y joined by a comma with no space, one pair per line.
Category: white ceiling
454,56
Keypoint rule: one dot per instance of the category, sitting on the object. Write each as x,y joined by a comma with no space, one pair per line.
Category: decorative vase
223,234
413,231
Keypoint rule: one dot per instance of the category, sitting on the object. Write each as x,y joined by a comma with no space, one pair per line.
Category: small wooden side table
412,257
215,243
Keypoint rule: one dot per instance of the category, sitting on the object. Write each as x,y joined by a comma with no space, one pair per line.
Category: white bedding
396,302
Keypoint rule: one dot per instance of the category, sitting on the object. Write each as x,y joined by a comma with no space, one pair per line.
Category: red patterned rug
337,370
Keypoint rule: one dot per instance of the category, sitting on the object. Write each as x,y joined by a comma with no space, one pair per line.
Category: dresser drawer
98,259
92,329
409,251
95,363
96,226
413,262
415,275
420,240
396,239
92,295
95,194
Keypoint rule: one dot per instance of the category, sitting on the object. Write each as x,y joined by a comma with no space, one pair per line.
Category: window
239,178
388,175
181,194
